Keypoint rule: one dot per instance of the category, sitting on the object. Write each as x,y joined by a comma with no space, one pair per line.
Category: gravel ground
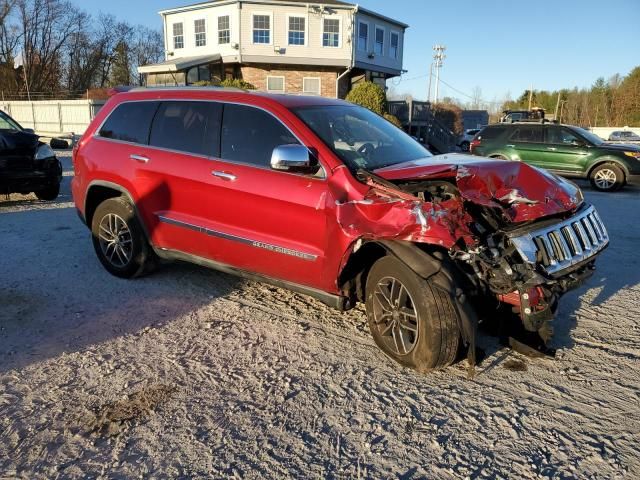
190,373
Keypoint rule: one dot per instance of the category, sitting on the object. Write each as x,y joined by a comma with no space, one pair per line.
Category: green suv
563,149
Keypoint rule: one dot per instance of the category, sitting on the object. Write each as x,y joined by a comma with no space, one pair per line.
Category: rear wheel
464,146
607,177
49,193
411,319
119,240
499,157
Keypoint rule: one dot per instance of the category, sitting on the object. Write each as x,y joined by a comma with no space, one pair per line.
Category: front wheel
119,240
607,178
411,319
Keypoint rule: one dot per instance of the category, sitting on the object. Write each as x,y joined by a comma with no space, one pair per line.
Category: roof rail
185,87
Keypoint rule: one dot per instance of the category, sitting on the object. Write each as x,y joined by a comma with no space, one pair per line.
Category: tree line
607,103
51,48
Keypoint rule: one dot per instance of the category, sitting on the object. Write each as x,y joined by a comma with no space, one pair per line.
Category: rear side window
249,135
130,122
527,134
490,133
190,127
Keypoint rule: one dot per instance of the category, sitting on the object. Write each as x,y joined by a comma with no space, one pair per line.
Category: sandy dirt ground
190,373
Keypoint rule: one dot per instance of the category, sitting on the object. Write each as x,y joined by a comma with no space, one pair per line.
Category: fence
54,117
604,132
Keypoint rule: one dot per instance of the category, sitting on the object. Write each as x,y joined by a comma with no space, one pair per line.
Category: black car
26,164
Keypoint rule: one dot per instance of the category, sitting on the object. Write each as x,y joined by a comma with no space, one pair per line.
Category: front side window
361,138
262,29
178,36
394,46
275,84
363,36
130,122
189,127
311,86
297,30
527,135
561,136
379,41
331,32
201,33
249,135
224,30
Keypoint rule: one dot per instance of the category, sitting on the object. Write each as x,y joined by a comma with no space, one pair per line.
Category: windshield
7,123
591,137
362,139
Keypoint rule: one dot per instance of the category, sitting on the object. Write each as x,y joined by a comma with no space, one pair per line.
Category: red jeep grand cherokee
328,199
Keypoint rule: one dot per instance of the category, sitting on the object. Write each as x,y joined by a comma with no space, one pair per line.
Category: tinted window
192,127
561,136
130,122
527,134
492,132
249,135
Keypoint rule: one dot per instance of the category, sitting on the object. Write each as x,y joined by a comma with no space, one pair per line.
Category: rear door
527,142
566,151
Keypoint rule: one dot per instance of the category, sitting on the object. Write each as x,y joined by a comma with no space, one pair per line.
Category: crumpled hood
520,191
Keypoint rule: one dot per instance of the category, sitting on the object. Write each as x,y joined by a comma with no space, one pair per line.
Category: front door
566,151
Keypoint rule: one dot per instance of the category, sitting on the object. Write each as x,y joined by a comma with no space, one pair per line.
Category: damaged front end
521,237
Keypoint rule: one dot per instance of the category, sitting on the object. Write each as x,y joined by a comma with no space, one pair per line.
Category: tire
464,146
131,255
48,194
428,338
607,177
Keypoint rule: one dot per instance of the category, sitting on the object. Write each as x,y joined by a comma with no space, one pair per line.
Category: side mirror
578,143
293,158
28,130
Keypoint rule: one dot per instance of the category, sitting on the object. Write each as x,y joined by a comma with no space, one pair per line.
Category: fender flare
608,159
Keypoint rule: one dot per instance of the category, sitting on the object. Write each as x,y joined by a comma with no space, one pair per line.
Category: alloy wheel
115,240
395,315
605,178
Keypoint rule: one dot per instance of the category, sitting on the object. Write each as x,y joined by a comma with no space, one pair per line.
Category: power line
418,77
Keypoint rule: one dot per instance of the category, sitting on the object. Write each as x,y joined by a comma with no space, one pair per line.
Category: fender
608,159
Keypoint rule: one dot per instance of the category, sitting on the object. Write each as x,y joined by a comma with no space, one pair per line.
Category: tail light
474,143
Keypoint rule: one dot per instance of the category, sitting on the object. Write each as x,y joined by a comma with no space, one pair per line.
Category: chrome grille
564,244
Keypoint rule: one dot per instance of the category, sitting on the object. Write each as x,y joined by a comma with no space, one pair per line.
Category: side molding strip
254,243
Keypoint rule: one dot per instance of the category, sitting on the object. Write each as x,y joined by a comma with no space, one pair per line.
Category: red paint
320,217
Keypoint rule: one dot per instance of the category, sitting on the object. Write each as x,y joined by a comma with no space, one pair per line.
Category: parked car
26,164
329,199
624,136
465,140
563,149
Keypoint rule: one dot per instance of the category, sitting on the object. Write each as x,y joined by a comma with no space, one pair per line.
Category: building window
178,36
224,30
262,29
394,45
297,30
311,86
201,33
363,36
275,84
379,41
331,32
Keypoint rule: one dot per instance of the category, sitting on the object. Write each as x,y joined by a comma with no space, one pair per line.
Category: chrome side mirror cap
293,158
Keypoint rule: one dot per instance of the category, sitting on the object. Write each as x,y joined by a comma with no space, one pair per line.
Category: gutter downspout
353,56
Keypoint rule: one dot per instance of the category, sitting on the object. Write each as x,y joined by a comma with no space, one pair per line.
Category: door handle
510,146
553,149
229,177
139,158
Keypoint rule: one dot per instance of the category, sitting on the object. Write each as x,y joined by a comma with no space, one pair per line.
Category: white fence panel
54,116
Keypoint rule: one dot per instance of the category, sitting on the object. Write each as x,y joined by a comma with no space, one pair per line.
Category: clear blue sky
501,46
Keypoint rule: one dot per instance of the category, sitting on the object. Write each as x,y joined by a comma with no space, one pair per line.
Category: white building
287,46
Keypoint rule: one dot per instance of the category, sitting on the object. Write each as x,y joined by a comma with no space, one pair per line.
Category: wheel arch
608,159
101,190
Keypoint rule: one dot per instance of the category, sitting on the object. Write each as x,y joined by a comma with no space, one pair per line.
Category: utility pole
555,115
530,96
438,59
430,77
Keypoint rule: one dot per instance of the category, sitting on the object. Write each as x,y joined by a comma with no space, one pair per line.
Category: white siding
384,60
210,15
